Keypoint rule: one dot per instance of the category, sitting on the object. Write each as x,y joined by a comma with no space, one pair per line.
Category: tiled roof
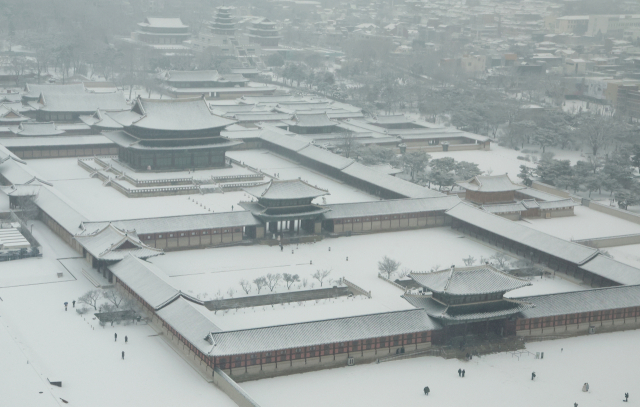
494,183
517,232
563,203
178,223
390,119
34,90
164,22
321,332
87,102
582,301
504,208
539,195
111,243
469,280
313,120
391,206
38,129
124,139
16,142
388,182
146,280
188,319
178,114
613,270
325,157
289,189
471,312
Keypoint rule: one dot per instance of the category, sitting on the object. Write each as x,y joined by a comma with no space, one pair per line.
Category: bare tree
113,296
501,260
388,266
469,261
290,279
320,275
260,282
246,286
231,292
405,272
346,142
91,298
273,280
435,268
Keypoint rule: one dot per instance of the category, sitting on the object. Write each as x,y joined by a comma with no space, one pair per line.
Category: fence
610,241
550,189
393,283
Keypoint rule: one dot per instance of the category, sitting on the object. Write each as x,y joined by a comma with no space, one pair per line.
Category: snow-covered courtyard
212,272
605,361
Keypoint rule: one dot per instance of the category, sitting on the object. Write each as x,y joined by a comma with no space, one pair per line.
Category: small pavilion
469,299
287,205
490,189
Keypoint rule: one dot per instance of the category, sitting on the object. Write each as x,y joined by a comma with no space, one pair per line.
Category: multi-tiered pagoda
263,31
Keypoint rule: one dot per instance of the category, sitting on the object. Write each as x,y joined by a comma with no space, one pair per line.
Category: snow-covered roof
21,189
388,182
390,119
201,76
124,139
34,90
469,281
505,208
177,223
146,280
490,183
105,120
514,231
599,299
539,195
288,189
111,243
16,142
163,22
177,114
612,270
304,119
472,312
321,332
563,203
389,207
38,129
85,102
287,142
8,114
325,157
185,317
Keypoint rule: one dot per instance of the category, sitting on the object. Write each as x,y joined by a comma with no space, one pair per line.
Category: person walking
74,303
426,391
460,372
626,397
585,388
65,305
122,355
115,337
575,404
126,339
533,375
463,372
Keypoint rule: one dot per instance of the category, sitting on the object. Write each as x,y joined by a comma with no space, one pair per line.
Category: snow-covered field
219,269
500,160
274,164
629,254
586,223
98,202
40,341
605,361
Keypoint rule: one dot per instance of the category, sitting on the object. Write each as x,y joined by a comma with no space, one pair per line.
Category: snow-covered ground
605,361
586,224
629,254
40,341
212,272
500,160
98,202
274,164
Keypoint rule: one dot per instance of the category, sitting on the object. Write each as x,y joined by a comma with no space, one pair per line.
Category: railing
392,282
427,352
355,288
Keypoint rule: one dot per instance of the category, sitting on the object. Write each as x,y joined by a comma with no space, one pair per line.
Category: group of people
126,340
66,304
461,372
